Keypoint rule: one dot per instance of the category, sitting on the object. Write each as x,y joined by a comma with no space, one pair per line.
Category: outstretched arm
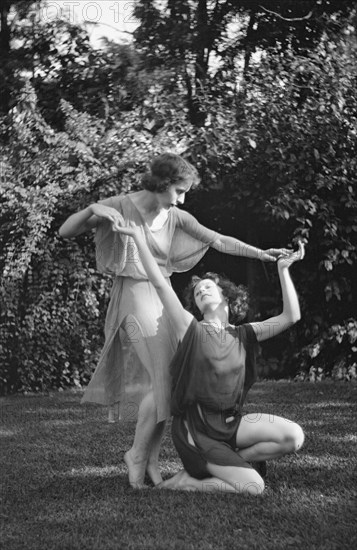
291,309
225,243
235,247
179,317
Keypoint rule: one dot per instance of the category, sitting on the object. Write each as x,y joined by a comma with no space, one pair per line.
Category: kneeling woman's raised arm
291,309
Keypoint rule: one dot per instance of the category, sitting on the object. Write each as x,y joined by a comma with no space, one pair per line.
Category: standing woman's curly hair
237,297
168,169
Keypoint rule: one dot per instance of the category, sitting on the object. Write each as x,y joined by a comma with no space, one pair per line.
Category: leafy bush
51,296
282,166
305,159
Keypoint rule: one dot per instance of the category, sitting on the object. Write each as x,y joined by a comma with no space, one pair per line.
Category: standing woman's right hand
88,218
107,212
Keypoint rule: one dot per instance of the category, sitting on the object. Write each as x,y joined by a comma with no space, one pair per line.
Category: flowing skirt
139,345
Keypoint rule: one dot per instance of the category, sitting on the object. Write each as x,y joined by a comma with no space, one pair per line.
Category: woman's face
207,293
174,195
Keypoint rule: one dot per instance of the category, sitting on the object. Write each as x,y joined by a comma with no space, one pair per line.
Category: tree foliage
60,62
277,159
200,38
308,120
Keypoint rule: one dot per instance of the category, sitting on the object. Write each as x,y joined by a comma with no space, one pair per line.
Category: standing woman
139,338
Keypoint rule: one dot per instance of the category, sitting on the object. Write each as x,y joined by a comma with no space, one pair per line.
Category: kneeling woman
212,370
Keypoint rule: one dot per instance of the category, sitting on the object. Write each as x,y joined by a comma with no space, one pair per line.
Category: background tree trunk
4,58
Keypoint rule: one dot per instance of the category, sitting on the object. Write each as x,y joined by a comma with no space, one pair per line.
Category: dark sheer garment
212,372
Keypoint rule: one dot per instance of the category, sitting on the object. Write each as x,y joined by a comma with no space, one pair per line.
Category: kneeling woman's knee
294,439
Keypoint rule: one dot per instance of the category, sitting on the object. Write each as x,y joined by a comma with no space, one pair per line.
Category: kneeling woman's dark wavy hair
237,297
168,169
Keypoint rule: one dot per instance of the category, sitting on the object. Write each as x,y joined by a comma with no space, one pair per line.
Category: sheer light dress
139,339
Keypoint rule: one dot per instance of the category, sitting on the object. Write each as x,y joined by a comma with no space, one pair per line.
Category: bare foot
113,413
181,481
136,471
111,416
152,470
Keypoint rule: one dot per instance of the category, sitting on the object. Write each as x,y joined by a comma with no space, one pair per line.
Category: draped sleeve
178,246
111,247
190,241
117,254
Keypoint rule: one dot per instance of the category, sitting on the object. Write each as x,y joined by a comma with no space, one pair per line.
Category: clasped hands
285,260
283,255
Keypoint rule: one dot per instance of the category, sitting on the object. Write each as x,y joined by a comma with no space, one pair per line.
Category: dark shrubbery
281,163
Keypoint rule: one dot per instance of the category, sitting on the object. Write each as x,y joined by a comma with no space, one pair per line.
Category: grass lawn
64,482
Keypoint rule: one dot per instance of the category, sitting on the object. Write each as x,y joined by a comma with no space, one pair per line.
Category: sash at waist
230,412
215,408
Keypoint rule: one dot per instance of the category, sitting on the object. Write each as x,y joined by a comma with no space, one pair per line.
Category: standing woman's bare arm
88,218
235,247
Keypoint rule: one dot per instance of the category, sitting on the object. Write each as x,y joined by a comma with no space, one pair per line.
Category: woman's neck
218,317
148,202
151,211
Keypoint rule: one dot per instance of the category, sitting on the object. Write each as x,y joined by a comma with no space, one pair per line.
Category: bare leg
265,437
152,467
225,479
231,479
182,481
136,471
240,479
259,437
136,458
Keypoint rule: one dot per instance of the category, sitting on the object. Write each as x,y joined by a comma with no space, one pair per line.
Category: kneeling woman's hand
288,260
130,230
